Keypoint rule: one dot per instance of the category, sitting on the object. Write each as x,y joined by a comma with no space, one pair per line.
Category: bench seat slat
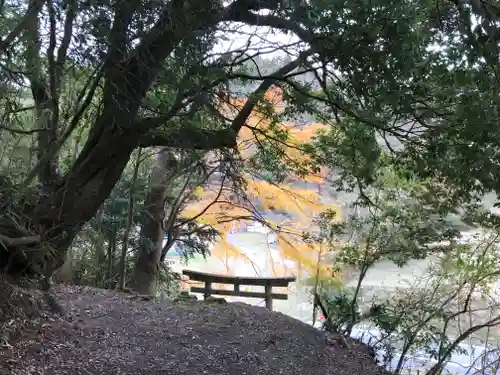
223,279
279,296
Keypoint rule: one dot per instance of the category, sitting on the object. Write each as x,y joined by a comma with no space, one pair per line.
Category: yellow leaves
315,178
274,96
257,129
219,215
297,138
306,254
290,244
300,206
198,191
283,198
308,132
254,131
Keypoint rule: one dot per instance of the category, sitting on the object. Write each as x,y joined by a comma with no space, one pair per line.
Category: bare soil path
108,333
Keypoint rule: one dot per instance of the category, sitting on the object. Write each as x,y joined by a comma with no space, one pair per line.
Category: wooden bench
267,282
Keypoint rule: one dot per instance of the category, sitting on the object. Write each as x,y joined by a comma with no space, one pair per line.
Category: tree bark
65,274
111,257
152,231
128,74
115,134
130,221
46,106
99,253
29,18
79,196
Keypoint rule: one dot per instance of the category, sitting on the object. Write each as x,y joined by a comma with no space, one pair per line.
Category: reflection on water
386,274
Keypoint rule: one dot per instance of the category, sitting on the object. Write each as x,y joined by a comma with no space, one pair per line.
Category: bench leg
208,290
269,297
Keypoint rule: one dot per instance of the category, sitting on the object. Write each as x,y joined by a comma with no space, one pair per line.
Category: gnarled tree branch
30,15
19,241
190,137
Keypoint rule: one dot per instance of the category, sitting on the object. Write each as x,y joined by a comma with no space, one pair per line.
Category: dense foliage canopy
128,128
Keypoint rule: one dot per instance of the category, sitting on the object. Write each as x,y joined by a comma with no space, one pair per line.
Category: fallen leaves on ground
107,333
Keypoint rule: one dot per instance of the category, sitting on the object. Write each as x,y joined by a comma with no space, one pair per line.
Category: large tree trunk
74,199
62,211
130,221
79,196
111,257
116,133
152,232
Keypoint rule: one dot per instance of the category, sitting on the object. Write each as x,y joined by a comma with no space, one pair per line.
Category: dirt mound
104,332
22,308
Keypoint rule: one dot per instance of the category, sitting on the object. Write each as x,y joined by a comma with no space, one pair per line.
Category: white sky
270,42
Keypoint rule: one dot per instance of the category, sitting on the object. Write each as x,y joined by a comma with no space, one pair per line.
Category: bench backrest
267,282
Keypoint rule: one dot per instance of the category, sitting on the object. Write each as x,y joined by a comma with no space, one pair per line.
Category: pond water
255,262
381,279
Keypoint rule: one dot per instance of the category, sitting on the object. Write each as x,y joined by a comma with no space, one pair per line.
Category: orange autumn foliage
227,216
307,133
257,128
302,205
